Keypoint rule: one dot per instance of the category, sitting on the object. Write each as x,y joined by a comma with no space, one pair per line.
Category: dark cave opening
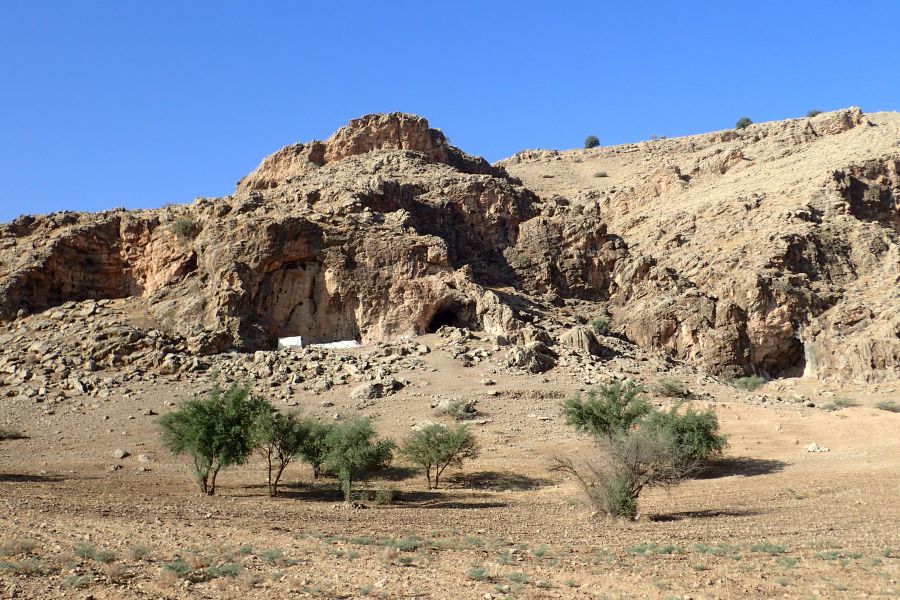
444,317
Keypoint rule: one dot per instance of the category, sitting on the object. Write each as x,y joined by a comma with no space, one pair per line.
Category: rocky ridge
385,231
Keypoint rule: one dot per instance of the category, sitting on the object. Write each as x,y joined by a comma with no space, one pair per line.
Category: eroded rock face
744,251
385,231
372,247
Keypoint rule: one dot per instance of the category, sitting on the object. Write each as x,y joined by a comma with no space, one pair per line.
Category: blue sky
139,104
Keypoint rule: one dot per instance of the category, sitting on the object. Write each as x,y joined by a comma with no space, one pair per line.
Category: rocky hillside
773,249
786,233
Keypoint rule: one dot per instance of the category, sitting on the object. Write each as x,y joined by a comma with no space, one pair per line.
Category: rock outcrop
772,250
394,131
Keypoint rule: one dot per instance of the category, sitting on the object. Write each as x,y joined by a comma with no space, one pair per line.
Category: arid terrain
771,251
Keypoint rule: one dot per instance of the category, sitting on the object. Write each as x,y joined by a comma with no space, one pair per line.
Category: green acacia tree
315,446
279,438
608,409
354,452
216,431
436,447
640,447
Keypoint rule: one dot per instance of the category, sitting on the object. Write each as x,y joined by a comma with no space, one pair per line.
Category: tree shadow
460,504
398,473
27,478
498,481
702,514
740,465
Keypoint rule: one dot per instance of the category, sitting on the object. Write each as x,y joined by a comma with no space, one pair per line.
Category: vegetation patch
768,548
186,228
750,383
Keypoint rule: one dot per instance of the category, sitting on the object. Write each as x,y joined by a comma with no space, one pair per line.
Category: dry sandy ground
771,520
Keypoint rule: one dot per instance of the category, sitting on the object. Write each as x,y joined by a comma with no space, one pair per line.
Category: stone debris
814,447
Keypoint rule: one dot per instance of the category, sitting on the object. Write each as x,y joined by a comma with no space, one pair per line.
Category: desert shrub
186,228
600,325
694,434
315,446
105,556
672,388
633,460
743,123
459,410
354,452
227,569
385,496
813,112
140,552
28,566
84,550
748,383
16,547
436,447
601,174
640,447
178,566
591,141
272,556
768,548
839,403
888,405
216,431
608,409
279,438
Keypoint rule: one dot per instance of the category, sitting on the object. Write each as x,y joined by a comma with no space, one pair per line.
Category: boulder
582,339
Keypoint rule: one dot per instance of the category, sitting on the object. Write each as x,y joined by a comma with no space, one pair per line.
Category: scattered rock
814,447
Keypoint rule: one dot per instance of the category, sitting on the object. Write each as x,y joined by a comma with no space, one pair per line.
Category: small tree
608,409
279,438
813,112
353,452
436,447
743,123
215,431
642,447
591,141
635,460
315,446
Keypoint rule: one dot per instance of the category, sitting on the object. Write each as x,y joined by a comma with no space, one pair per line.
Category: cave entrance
444,317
